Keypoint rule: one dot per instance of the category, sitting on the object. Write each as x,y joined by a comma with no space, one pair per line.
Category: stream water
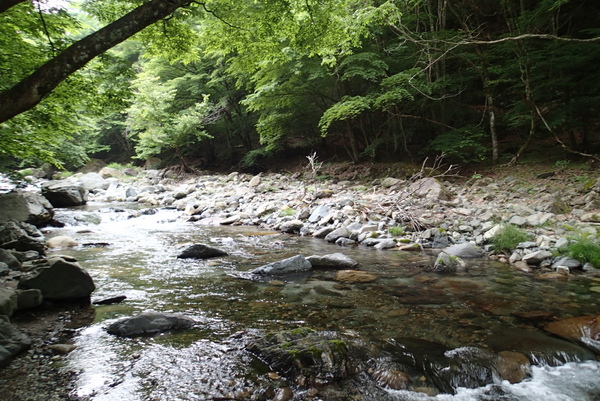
136,257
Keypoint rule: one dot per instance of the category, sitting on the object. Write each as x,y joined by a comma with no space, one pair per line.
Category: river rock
255,181
12,341
582,329
93,182
536,257
590,217
567,262
61,241
111,172
354,276
8,301
337,233
149,323
429,188
64,193
292,226
390,182
333,261
200,251
538,347
25,206
318,213
385,243
465,250
9,259
303,354
391,378
295,264
29,298
448,264
21,237
61,279
513,366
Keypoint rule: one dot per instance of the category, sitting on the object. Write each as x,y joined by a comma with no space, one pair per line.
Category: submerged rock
295,264
149,323
354,276
303,355
582,329
200,251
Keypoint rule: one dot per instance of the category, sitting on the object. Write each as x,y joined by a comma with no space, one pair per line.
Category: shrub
585,250
396,231
508,237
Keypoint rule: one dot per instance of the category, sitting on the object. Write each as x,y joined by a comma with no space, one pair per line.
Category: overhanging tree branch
6,4
31,90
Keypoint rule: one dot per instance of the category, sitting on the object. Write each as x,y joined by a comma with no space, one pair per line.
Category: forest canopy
231,83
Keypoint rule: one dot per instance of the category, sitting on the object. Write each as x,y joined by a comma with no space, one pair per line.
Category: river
136,257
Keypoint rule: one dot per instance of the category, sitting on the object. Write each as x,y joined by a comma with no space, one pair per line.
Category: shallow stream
136,257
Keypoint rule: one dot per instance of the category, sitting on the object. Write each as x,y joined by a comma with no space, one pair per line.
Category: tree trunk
31,90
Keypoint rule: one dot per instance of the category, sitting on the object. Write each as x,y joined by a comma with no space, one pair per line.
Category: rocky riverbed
395,212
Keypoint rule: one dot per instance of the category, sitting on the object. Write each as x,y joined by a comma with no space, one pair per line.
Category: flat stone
582,329
411,248
354,276
332,261
149,323
536,257
295,264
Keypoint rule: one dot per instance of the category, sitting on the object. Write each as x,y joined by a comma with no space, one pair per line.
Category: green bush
508,237
396,231
585,250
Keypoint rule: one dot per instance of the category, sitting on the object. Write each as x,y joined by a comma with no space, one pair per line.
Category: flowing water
136,257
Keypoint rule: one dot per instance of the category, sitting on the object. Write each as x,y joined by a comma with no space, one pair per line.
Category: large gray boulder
149,323
21,237
295,264
429,188
25,206
12,341
61,279
93,182
65,193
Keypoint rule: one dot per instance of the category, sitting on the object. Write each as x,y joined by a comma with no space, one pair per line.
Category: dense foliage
228,82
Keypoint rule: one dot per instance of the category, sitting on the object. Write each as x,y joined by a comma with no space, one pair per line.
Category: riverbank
379,210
